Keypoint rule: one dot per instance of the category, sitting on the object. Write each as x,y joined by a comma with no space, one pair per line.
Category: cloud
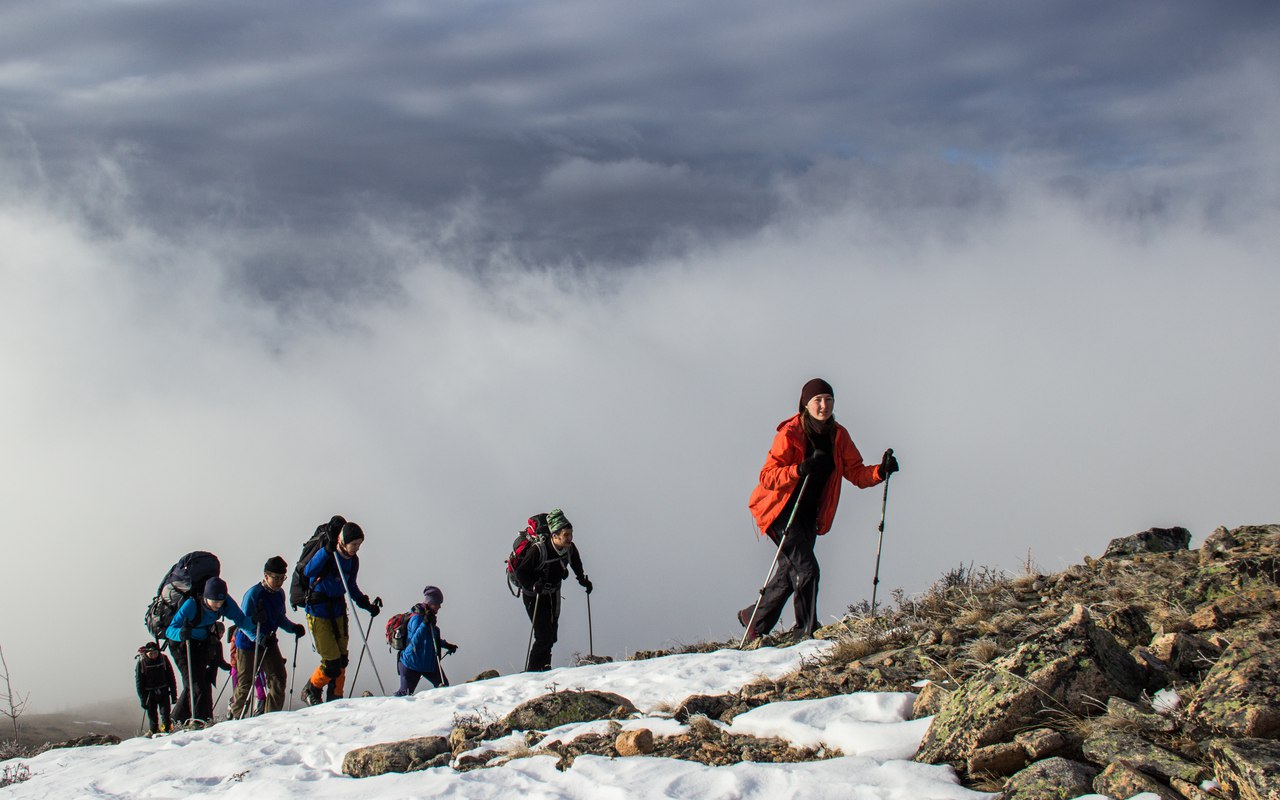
1049,377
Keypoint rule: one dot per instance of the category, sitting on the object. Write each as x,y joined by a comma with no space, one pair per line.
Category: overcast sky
439,266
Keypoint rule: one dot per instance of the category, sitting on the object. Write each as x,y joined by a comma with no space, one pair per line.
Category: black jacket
543,568
155,679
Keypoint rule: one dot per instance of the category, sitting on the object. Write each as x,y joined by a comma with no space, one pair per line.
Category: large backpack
534,535
183,580
299,586
398,630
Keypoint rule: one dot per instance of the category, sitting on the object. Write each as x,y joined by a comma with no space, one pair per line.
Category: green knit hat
556,520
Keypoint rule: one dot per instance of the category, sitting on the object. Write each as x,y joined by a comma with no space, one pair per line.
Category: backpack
299,585
183,580
534,535
398,630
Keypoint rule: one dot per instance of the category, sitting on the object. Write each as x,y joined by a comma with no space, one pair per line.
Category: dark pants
797,574
198,676
157,707
544,613
409,679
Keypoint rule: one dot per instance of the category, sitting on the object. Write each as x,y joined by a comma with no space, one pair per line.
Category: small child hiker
421,656
157,688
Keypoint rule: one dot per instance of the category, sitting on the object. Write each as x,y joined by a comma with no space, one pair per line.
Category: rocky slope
1152,668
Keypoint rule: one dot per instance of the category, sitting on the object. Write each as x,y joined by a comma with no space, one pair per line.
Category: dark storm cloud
593,134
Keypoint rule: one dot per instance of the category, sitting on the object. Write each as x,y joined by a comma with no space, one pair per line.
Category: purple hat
433,596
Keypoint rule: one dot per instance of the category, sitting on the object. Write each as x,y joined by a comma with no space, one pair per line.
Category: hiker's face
153,654
214,605
273,580
821,407
349,549
562,538
433,607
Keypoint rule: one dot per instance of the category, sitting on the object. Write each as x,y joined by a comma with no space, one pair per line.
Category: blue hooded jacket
419,652
265,610
327,591
198,618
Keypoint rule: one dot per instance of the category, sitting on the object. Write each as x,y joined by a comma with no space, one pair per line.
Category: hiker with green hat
540,569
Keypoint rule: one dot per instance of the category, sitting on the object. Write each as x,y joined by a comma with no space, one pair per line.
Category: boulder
1222,613
1111,747
1004,758
1062,669
1238,560
1241,694
707,705
1041,743
1140,717
1051,779
486,675
1248,769
1153,540
560,708
636,742
929,701
1185,653
409,755
1129,625
88,740
1118,780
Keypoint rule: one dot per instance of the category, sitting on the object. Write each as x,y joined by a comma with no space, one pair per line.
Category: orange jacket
780,475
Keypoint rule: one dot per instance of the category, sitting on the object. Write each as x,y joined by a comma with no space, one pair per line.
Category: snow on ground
294,755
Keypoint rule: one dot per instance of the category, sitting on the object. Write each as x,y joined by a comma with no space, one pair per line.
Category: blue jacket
419,653
198,618
326,584
265,610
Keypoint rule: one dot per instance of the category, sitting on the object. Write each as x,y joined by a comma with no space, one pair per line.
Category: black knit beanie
351,532
812,389
276,565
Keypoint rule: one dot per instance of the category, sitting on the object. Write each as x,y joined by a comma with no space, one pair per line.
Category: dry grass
983,650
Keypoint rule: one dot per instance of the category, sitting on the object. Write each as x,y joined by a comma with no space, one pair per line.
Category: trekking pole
356,675
875,580
191,684
785,532
363,635
591,642
444,679
293,681
537,599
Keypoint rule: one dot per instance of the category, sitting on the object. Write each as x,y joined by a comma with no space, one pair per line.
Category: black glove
450,648
585,583
372,607
889,464
299,630
820,459
224,666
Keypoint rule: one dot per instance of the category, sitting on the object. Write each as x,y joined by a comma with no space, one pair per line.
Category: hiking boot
311,694
330,695
743,618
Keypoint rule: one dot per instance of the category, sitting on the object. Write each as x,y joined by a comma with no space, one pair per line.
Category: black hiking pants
797,574
544,613
198,676
157,707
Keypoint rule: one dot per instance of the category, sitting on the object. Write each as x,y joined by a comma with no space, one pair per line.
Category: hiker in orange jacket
800,484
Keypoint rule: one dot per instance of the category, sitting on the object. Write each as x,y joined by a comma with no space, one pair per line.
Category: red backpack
398,630
534,534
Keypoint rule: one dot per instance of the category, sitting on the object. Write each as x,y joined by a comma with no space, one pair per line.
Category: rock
929,700
1185,653
1238,560
708,705
636,742
486,675
1145,719
88,740
560,708
1051,779
1153,540
1041,743
1112,746
459,739
1063,668
409,755
1223,612
1241,694
1191,791
1248,769
1129,625
1117,780
1005,758
594,659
